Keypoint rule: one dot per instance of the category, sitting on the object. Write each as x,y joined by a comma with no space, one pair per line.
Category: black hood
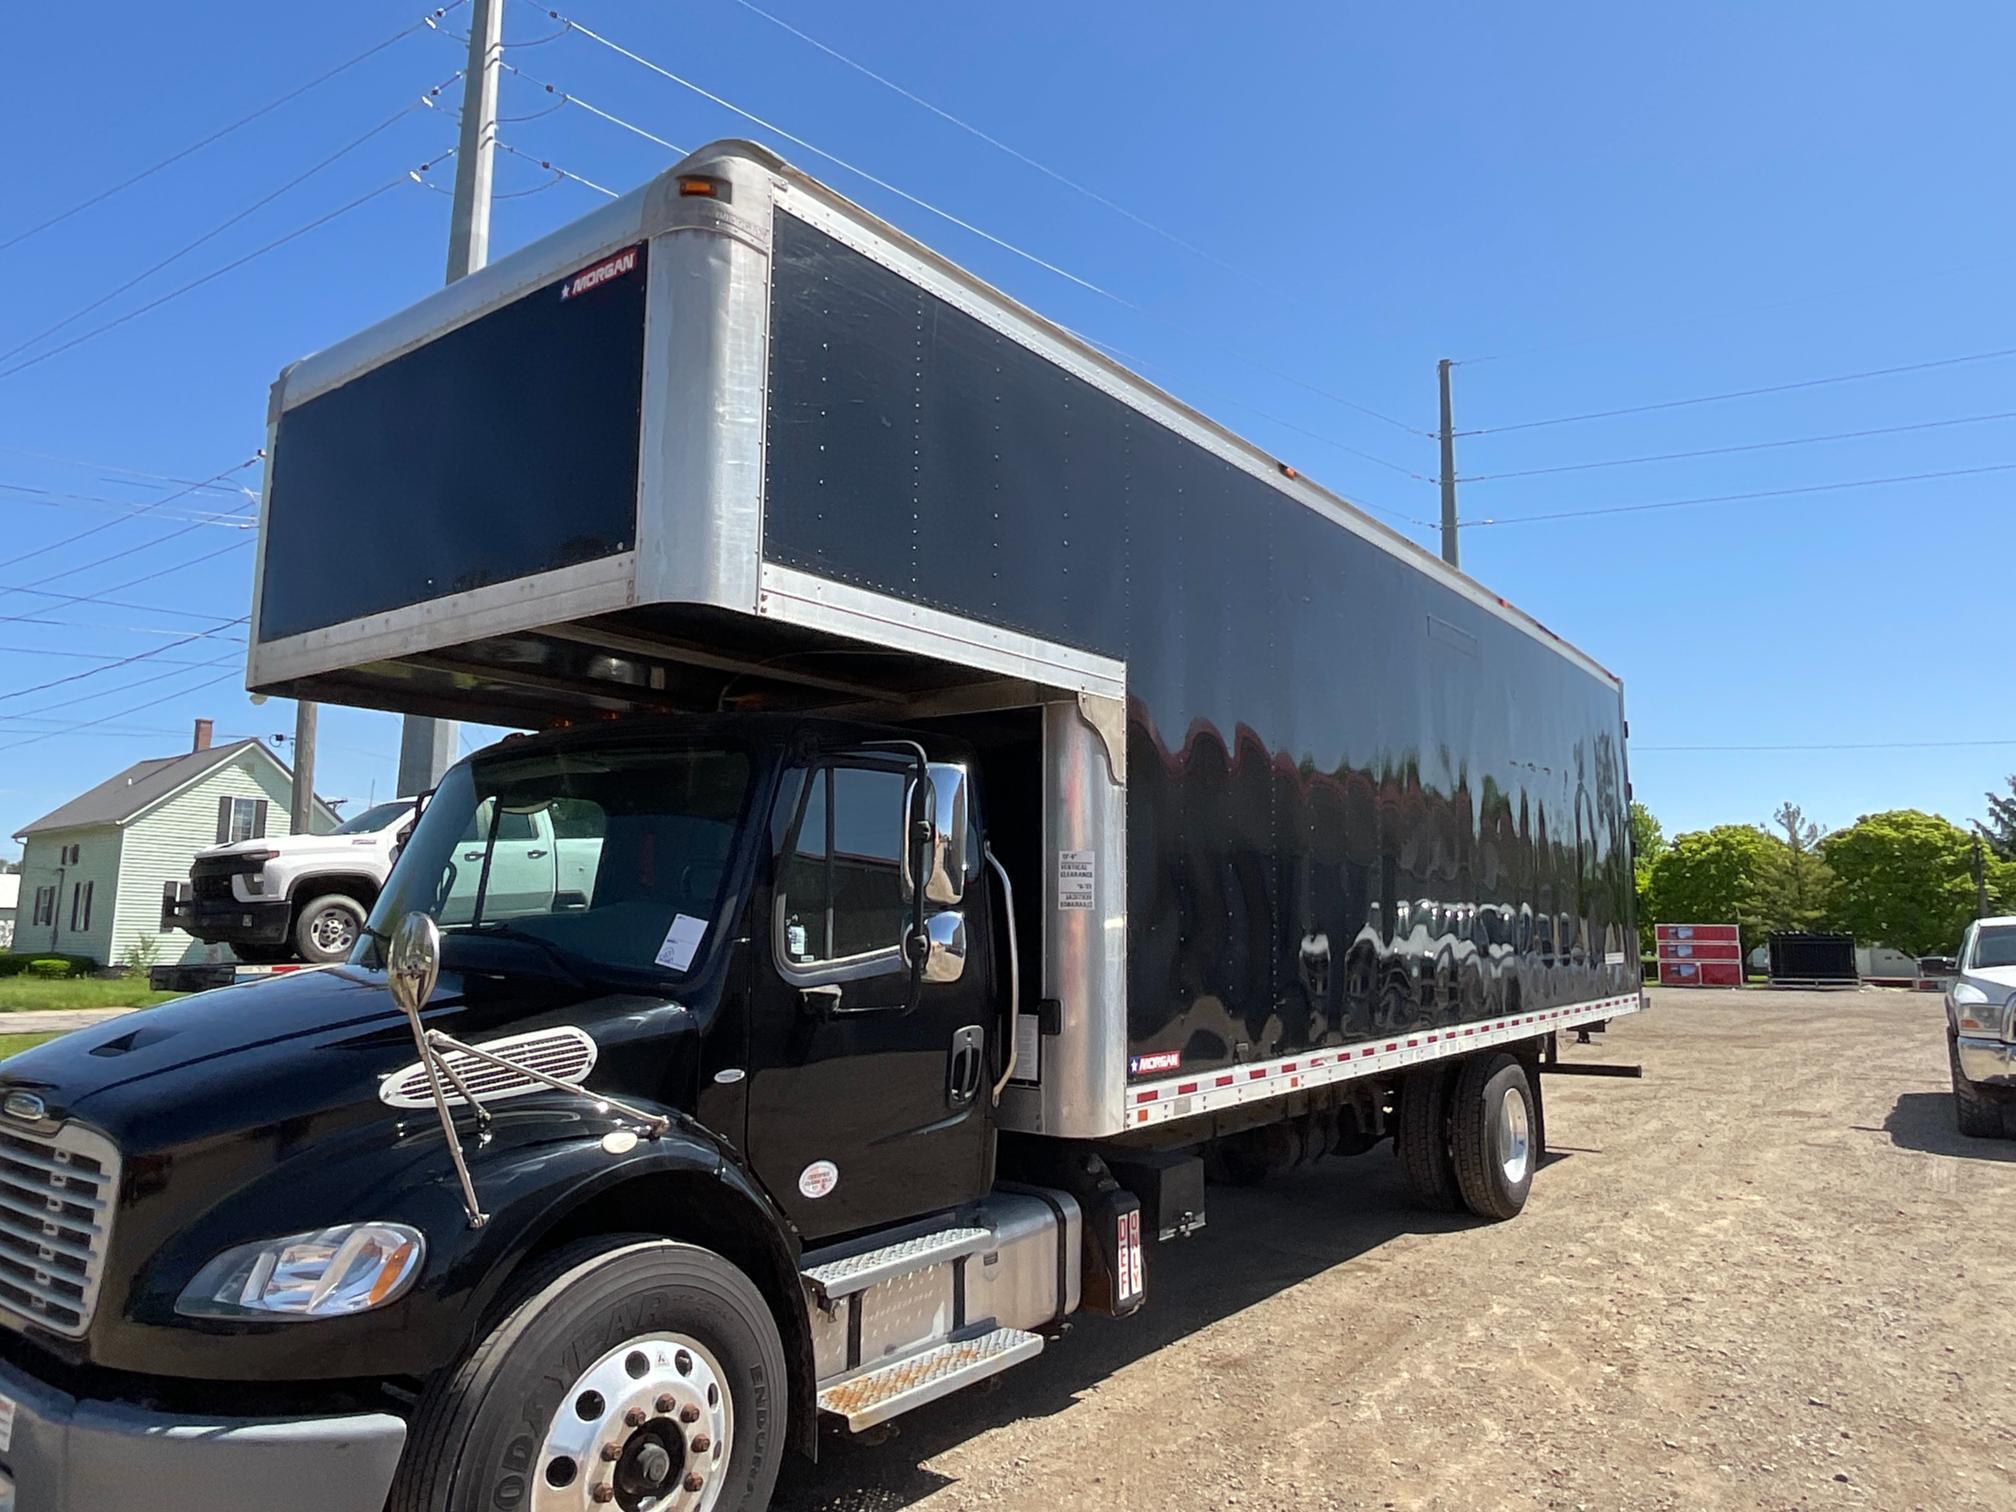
264,1052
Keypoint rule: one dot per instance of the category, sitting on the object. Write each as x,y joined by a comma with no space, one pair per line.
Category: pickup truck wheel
629,1372
1977,1116
326,928
1491,1134
1422,1141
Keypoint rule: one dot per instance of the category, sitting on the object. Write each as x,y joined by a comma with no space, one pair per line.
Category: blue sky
1617,207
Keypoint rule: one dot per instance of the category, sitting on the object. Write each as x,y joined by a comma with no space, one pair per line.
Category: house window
80,906
240,819
45,905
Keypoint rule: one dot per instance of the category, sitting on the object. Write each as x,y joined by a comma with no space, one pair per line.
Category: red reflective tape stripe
1223,1081
1145,1097
1255,1075
1288,1066
1186,1089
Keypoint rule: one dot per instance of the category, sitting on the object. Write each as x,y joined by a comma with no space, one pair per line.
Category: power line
127,687
141,510
215,273
1730,498
99,656
145,577
91,724
148,545
425,101
552,167
218,135
130,472
1723,451
573,99
972,229
109,603
1750,393
124,661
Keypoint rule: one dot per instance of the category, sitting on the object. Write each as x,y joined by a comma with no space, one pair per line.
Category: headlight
325,1274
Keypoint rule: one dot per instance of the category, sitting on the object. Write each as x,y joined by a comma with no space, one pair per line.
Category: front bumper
71,1455
1987,1062
221,923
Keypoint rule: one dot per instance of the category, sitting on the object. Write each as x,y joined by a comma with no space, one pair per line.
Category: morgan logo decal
599,274
818,1179
1161,1060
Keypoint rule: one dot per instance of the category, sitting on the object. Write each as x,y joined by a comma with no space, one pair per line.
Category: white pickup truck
307,896
1981,1029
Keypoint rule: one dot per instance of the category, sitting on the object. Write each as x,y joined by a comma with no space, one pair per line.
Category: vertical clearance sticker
1075,879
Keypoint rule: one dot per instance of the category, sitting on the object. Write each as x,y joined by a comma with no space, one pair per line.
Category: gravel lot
1768,1275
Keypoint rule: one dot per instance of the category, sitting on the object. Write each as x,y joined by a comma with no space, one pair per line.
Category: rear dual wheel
1469,1136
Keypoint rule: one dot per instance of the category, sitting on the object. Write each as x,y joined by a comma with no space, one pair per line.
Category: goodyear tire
1422,1141
661,1351
1493,1135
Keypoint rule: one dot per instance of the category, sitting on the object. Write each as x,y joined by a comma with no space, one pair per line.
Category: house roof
144,784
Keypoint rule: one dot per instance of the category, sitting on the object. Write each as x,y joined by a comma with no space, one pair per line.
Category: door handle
968,1065
472,855
534,855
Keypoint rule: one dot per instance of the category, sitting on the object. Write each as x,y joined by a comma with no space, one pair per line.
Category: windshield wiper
566,960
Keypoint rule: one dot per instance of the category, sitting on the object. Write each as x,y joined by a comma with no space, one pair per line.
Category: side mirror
945,947
413,962
945,883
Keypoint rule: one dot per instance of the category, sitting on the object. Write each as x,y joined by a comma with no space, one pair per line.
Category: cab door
865,1110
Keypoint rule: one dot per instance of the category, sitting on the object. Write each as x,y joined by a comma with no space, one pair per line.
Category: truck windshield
606,863
1995,946
373,819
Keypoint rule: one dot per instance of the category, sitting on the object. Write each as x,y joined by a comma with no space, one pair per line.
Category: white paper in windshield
681,940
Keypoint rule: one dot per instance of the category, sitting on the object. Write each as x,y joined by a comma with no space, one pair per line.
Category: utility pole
427,746
303,806
1978,865
1450,552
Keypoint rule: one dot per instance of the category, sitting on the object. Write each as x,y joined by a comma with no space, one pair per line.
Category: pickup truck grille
210,881
57,1192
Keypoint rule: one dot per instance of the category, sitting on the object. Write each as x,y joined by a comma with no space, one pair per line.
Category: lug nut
689,1413
693,1480
701,1443
666,1402
603,1493
635,1417
612,1452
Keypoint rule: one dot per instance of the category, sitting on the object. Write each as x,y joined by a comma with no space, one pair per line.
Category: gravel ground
1768,1275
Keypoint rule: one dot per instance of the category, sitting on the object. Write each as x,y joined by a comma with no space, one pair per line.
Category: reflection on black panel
505,448
1357,802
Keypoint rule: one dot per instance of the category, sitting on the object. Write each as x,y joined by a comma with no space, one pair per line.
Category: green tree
1796,886
2001,826
1717,876
1903,879
1648,844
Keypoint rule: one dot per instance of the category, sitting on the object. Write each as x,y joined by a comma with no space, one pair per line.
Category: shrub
49,966
74,965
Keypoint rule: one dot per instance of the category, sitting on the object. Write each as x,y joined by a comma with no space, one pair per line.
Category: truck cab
1981,1029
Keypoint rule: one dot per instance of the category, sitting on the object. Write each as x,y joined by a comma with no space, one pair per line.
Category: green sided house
92,871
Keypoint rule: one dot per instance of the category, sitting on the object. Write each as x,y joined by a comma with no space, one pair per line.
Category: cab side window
840,880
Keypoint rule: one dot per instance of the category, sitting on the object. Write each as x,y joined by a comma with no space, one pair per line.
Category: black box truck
970,792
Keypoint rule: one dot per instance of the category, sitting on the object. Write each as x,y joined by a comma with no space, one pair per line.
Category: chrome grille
57,1190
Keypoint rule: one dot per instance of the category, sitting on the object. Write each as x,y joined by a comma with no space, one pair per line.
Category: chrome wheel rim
1515,1137
333,929
649,1427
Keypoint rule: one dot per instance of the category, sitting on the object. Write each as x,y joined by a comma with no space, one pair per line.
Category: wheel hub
646,1428
333,930
1515,1139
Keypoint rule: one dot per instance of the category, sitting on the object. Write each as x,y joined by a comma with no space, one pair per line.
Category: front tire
1422,1140
663,1352
326,928
1977,1116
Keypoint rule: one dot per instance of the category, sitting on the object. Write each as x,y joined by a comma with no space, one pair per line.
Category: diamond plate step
877,1395
856,1273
